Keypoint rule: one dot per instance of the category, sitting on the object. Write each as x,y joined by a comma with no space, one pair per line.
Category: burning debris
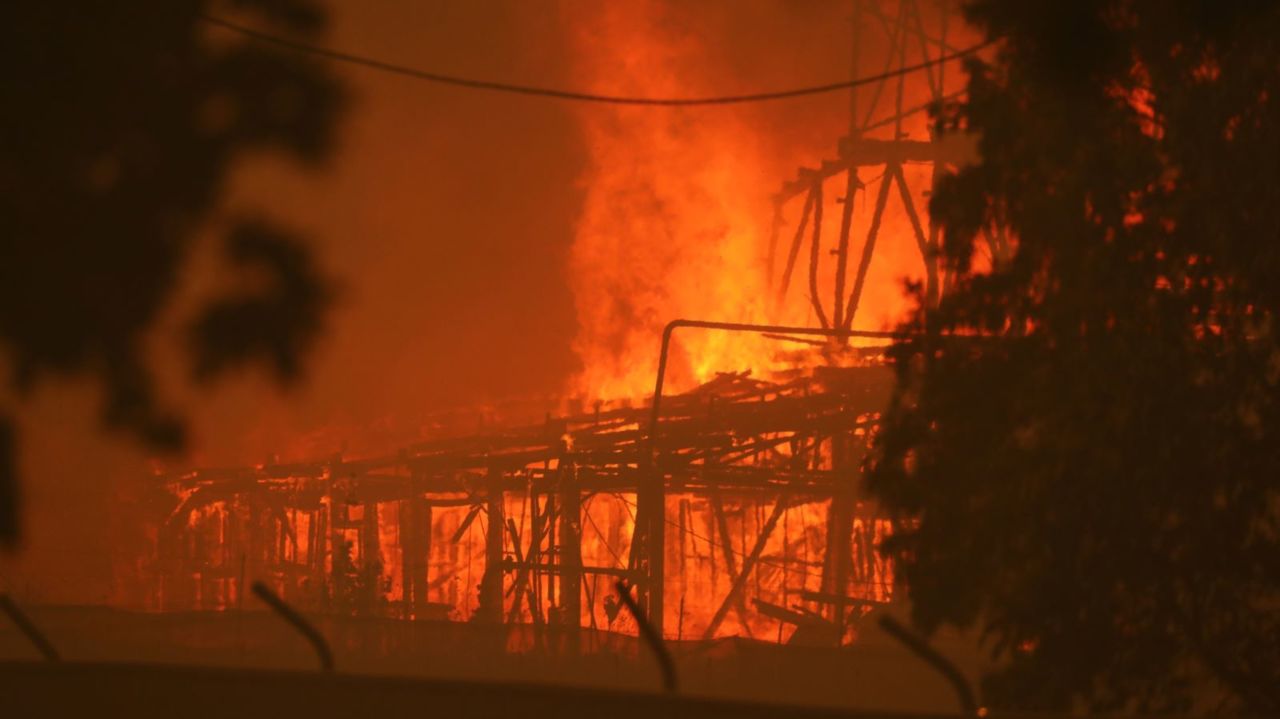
534,524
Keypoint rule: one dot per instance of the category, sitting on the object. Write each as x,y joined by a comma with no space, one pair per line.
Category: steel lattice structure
736,442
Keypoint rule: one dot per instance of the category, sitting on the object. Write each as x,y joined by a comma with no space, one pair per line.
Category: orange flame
672,222
676,218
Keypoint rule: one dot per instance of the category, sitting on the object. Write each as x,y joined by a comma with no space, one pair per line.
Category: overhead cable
575,95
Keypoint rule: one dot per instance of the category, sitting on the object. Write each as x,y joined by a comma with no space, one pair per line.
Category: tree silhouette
122,122
1095,489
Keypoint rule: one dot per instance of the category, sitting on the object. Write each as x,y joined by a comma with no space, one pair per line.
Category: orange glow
676,220
675,213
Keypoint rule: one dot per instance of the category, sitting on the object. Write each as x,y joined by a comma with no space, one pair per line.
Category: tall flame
675,215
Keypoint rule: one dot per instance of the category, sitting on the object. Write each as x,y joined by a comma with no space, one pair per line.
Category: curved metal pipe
305,628
653,512
29,629
650,637
921,648
673,325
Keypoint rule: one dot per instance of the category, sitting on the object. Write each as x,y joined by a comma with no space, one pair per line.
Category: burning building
733,507
536,524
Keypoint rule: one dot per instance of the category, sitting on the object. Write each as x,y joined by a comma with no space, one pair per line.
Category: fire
676,222
674,219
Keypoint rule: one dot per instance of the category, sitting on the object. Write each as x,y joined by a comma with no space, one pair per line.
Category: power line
889,120
475,84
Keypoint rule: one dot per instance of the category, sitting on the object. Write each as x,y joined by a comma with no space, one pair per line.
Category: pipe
651,589
290,615
29,629
921,648
650,637
673,325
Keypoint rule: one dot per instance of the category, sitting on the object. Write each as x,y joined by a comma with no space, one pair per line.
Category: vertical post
945,13
902,62
408,551
838,559
538,527
255,548
422,528
852,182
370,559
648,539
683,520
318,550
651,512
491,583
551,508
657,540
935,230
570,552
337,573
415,547
649,543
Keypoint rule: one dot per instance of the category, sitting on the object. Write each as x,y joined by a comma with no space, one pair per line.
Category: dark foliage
121,123
1096,490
